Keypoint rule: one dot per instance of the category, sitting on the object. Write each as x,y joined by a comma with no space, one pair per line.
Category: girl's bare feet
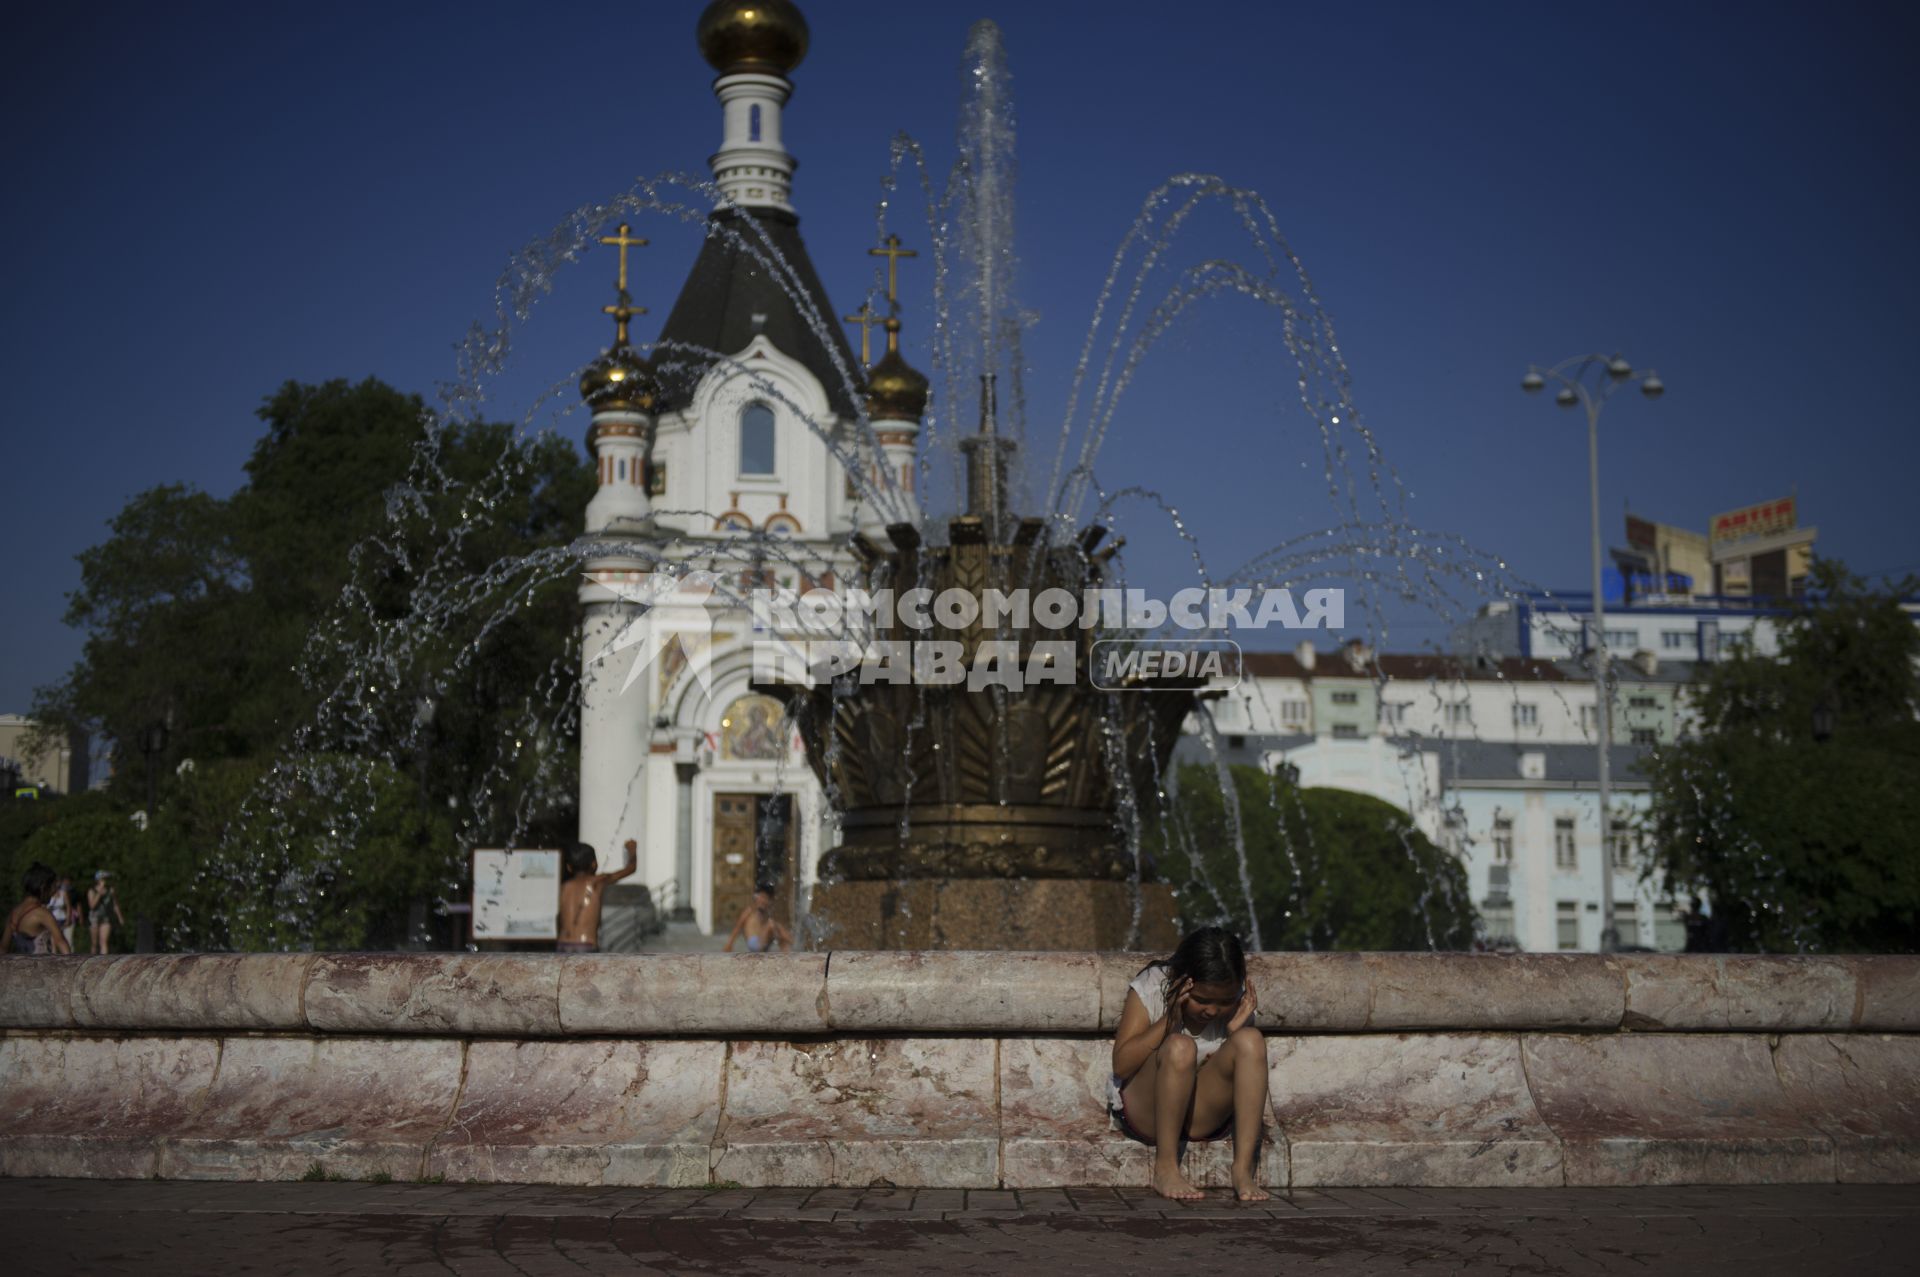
1246,1190
1172,1184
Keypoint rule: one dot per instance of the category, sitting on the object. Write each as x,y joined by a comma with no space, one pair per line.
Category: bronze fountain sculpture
990,818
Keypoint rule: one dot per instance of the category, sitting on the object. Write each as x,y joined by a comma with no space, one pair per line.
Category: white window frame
1565,911
1566,843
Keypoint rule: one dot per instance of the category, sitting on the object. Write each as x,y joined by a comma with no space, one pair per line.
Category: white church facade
727,452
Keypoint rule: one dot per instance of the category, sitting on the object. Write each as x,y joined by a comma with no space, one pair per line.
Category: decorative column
615,719
683,774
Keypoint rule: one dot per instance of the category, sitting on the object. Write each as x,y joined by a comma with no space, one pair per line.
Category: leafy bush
1329,869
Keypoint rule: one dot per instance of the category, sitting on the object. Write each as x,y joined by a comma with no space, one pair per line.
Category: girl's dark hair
1211,955
580,859
38,882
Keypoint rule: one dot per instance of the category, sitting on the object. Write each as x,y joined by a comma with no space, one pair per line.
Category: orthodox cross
866,317
623,309
893,253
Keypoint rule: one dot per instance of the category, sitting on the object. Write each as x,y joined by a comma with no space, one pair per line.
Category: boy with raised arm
583,894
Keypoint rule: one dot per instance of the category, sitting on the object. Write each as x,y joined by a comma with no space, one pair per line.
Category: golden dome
895,390
753,35
619,381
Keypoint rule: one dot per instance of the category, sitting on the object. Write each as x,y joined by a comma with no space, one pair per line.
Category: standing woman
30,927
61,906
1188,1063
103,906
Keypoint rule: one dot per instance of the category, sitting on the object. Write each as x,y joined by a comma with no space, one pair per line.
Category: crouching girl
1188,1063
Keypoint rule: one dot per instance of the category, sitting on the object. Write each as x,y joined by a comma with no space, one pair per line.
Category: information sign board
516,894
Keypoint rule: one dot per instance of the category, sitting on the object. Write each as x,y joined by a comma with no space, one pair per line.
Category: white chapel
751,445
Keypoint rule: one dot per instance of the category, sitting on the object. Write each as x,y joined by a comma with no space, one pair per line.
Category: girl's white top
1151,985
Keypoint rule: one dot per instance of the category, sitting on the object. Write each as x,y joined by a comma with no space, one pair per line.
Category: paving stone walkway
152,1228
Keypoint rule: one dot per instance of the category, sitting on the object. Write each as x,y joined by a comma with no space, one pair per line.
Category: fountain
985,817
1005,815
999,816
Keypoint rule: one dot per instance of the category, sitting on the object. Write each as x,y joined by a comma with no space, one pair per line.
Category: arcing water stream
376,678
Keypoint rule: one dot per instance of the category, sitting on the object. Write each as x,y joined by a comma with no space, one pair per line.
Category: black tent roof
735,278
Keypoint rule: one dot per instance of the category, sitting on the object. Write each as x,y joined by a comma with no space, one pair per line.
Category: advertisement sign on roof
1753,521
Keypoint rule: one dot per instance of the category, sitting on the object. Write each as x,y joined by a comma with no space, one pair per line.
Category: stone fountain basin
947,1069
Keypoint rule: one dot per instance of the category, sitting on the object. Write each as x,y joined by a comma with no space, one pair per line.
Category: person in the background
77,913
103,906
584,894
30,927
61,907
762,929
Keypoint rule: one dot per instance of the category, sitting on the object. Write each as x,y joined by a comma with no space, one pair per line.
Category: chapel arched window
756,439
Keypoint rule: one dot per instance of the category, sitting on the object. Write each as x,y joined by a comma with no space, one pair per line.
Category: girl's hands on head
1244,1009
1182,1008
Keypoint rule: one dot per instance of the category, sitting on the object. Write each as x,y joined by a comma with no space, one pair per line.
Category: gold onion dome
619,381
753,35
895,390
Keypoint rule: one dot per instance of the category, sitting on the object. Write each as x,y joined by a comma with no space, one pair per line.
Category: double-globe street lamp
1589,381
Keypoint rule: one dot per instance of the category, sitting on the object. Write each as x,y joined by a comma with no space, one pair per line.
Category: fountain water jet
897,828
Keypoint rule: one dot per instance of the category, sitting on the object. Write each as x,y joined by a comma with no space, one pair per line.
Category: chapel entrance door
732,858
774,851
754,841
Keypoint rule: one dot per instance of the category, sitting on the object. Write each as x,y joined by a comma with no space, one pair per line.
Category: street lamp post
1589,381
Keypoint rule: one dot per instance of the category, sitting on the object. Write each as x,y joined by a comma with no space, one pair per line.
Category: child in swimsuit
763,930
1188,1063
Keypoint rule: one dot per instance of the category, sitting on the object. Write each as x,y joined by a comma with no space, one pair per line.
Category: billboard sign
1754,521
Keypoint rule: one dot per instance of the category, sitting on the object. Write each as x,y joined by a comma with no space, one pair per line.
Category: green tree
1329,868
167,616
1792,806
318,851
380,586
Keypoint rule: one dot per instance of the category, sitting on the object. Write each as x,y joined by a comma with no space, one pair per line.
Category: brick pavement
153,1228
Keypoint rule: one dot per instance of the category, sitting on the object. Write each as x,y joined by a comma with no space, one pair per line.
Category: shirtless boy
762,929
583,894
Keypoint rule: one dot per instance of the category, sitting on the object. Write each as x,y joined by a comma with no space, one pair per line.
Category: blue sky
206,202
